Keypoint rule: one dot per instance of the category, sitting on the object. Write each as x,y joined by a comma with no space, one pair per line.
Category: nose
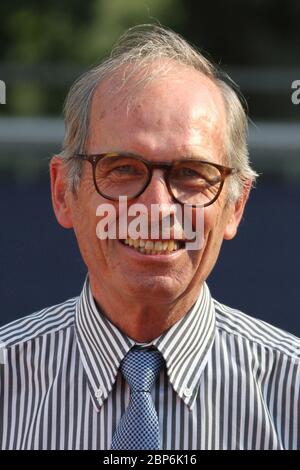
159,206
157,191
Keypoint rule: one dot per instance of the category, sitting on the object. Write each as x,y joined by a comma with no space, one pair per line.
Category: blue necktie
139,428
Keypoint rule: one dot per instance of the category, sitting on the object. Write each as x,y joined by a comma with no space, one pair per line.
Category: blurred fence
27,143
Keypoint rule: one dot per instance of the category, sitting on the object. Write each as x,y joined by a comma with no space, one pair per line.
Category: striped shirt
229,381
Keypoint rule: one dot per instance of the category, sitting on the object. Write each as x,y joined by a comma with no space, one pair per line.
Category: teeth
158,246
165,245
149,245
153,248
171,245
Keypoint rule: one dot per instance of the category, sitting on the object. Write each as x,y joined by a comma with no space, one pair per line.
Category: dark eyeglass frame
93,159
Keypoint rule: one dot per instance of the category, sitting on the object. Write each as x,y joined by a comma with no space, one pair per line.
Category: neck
144,320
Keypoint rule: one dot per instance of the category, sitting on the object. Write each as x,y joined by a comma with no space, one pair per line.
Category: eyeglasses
193,182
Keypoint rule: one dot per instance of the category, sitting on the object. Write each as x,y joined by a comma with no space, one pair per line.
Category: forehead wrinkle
202,122
120,91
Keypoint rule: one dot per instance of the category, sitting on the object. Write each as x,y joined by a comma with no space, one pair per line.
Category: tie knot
141,368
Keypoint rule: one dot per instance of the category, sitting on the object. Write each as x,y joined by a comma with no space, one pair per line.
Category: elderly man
144,358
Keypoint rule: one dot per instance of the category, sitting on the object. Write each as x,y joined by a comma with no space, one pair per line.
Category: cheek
85,229
204,219
84,218
211,228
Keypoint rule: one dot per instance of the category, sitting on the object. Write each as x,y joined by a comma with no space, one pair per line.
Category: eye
186,172
125,169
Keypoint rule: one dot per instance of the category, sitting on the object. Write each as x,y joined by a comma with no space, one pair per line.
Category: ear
236,212
59,192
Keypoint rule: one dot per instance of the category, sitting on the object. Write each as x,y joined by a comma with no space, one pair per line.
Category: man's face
179,116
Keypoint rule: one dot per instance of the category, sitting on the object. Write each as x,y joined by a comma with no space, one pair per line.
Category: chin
158,288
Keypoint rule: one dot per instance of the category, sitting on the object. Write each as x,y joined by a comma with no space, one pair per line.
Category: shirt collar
185,346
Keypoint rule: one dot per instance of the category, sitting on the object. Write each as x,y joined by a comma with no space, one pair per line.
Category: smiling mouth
151,247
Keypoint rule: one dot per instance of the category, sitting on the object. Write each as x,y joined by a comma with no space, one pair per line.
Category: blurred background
44,46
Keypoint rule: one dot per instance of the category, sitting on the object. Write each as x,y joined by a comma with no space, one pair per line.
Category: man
144,358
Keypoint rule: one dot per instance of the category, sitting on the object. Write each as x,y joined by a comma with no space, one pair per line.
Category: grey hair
135,51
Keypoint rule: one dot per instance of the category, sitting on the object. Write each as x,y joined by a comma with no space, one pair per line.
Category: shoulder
43,322
256,332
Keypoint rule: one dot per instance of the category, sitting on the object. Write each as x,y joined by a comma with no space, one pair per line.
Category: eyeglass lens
190,182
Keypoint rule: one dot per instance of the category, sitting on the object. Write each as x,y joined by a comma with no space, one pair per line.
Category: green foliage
28,99
65,37
112,17
68,33
73,30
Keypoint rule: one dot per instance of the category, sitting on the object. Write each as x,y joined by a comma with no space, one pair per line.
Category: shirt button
99,393
187,392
